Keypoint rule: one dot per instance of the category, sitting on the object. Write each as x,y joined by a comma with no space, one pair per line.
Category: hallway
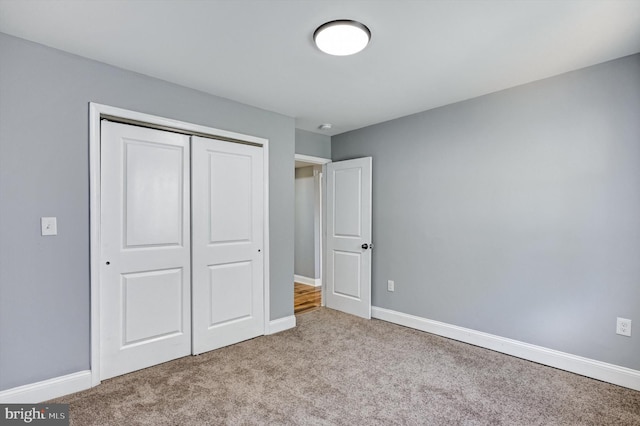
306,298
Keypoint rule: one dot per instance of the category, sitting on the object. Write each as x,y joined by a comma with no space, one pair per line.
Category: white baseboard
576,364
306,280
47,389
281,324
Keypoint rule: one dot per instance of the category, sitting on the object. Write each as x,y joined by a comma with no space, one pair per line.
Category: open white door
348,279
227,252
145,315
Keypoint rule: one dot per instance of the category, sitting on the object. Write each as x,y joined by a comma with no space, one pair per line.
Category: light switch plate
49,225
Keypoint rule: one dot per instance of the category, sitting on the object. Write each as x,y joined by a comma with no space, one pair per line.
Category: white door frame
319,207
96,113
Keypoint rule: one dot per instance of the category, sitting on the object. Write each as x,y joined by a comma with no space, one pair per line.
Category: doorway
345,276
308,270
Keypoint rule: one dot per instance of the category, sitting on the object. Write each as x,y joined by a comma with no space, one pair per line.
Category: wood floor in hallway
306,298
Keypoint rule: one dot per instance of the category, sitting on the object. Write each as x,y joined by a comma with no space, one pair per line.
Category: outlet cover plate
49,226
623,327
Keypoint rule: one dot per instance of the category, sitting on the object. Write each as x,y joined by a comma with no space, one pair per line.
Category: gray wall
304,262
515,213
313,144
44,171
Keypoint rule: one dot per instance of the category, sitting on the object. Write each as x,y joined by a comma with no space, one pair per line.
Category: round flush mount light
342,37
325,126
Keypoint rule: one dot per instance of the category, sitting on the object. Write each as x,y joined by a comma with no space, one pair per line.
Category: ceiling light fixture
325,126
342,37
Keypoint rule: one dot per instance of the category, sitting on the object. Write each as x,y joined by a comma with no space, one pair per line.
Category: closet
181,231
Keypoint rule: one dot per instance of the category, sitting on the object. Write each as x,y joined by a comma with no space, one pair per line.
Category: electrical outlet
623,327
48,226
391,286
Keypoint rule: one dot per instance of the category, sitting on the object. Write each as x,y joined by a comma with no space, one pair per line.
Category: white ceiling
423,54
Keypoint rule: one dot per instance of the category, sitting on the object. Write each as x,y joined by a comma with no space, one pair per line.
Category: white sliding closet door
227,256
145,316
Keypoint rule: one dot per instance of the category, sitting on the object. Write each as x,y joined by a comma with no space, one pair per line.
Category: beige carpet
335,369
